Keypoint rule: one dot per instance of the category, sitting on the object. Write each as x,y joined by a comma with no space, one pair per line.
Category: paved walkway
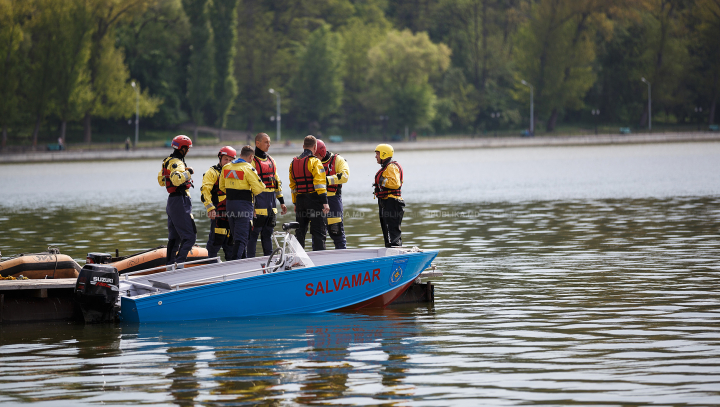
347,147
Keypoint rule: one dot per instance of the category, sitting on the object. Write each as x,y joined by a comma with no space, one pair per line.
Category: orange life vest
266,171
383,192
302,175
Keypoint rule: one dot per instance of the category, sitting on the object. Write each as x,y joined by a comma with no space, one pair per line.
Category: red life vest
168,183
266,171
216,192
331,169
383,191
302,175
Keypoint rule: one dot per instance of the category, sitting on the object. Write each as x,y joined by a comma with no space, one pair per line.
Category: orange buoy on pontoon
154,258
50,264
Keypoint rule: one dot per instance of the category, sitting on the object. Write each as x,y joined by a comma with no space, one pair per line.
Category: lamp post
137,111
596,113
532,118
649,104
277,115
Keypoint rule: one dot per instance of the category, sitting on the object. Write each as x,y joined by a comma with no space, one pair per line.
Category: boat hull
373,282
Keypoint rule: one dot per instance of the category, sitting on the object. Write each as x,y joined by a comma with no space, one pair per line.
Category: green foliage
224,21
317,86
12,58
556,51
446,66
154,43
358,37
201,78
401,67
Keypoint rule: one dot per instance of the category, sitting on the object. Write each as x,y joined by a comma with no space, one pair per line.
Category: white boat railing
224,277
173,266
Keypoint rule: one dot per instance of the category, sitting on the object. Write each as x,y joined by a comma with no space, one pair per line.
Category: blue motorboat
289,281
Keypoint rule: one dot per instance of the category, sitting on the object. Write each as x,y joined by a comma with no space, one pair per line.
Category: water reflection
603,293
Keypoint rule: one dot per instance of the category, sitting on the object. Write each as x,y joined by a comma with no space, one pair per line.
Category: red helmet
229,151
321,149
181,141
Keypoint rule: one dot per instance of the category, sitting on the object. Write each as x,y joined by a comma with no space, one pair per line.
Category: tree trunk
713,105
553,120
87,128
4,137
36,130
195,133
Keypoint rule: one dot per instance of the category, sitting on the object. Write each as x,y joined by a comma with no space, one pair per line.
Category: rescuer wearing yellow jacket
176,176
265,208
309,194
337,173
388,182
214,200
240,183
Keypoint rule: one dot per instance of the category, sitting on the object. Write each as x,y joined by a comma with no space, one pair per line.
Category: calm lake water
573,275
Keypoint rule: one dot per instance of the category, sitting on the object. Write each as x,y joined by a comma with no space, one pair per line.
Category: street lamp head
644,80
272,90
523,81
133,84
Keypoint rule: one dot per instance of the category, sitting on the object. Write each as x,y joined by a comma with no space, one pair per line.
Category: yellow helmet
386,151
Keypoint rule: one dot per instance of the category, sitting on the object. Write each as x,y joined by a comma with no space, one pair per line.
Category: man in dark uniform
265,208
309,194
388,182
337,173
214,200
176,176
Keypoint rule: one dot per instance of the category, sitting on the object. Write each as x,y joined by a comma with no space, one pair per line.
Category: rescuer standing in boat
240,183
388,182
309,194
214,200
176,176
337,173
265,208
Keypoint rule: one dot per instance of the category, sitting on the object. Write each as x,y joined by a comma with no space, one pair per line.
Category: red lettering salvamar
339,284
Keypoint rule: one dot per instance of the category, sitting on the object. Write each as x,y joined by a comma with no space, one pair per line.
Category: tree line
356,66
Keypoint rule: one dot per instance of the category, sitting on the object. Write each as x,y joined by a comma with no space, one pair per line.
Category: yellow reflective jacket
391,179
240,175
341,167
173,170
208,182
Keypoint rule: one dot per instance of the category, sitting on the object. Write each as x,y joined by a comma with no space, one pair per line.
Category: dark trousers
240,214
336,230
391,214
217,241
181,228
308,211
262,226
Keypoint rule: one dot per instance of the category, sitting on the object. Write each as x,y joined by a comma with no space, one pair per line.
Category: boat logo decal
397,270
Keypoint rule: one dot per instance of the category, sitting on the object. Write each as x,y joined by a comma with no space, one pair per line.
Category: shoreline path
353,146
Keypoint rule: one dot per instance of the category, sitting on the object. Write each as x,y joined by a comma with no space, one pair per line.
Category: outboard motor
97,291
98,258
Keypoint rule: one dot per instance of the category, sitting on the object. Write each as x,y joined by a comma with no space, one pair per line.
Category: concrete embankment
348,147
